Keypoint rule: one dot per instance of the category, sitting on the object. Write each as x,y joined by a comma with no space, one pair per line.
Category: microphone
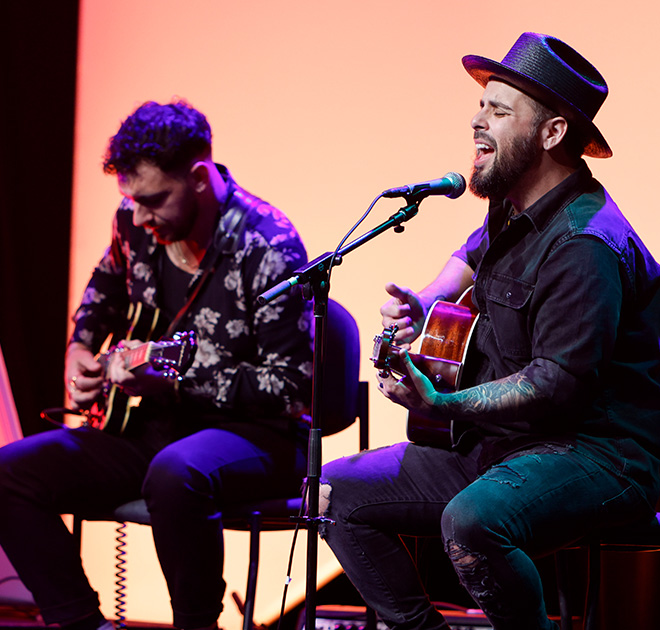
452,185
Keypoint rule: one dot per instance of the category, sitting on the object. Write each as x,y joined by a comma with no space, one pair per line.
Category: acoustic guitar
174,355
444,345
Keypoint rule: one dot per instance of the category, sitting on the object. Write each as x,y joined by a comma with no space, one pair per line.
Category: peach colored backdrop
317,107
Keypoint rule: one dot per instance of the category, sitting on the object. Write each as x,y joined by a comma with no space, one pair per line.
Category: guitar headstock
174,355
384,350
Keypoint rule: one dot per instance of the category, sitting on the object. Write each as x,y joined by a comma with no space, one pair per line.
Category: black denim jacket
569,296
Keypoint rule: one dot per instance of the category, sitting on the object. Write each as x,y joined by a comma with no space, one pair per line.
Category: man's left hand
413,390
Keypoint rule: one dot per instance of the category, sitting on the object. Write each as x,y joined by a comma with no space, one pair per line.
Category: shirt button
508,295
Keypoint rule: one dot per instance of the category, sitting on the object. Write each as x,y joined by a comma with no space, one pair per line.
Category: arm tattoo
512,396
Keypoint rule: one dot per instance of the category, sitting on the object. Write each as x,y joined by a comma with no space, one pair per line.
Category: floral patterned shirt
252,360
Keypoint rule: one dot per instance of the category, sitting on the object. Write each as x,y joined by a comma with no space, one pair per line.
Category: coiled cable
120,577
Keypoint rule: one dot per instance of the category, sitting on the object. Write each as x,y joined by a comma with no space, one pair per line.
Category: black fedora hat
554,74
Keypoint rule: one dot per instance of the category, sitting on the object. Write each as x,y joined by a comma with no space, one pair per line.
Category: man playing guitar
191,250
559,402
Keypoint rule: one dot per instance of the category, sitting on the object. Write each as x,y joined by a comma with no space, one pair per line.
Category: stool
641,537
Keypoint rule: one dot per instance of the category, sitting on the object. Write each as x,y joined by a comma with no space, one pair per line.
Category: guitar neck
131,359
135,357
436,368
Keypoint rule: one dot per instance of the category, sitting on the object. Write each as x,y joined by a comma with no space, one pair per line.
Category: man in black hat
554,429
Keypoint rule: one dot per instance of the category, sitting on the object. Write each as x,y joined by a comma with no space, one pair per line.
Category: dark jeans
186,486
531,504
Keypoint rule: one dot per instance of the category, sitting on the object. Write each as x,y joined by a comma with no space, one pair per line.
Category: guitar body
144,325
444,345
114,412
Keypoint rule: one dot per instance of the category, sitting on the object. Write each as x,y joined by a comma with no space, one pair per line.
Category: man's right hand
406,310
83,376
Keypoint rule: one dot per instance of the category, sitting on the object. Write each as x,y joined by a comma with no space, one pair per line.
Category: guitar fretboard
136,356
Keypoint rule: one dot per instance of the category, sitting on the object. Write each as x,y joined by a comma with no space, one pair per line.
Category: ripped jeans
492,525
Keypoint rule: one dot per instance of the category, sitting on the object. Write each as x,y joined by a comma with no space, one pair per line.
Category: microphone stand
314,277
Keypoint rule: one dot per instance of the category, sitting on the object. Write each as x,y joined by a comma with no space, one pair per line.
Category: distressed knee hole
325,492
460,556
472,571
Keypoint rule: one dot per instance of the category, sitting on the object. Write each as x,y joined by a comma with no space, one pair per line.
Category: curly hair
169,136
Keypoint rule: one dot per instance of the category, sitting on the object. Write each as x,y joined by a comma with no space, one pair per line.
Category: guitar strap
225,241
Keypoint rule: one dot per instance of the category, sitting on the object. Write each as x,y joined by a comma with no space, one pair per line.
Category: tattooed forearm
511,396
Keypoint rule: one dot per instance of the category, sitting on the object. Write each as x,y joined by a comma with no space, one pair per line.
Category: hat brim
483,70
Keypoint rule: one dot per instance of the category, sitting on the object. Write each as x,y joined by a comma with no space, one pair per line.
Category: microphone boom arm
317,269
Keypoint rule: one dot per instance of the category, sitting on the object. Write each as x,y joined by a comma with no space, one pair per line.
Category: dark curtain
38,48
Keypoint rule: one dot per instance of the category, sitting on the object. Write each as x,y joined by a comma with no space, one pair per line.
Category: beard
181,226
508,167
193,210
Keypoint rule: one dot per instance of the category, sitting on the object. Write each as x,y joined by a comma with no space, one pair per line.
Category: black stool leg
76,531
593,588
251,588
563,590
371,619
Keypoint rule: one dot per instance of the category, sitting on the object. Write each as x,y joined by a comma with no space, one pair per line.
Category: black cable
296,529
47,414
9,578
90,417
343,240
120,577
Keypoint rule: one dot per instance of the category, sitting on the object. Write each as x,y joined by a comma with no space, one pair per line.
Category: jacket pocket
508,308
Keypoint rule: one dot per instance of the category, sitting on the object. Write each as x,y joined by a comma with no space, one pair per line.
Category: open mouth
484,151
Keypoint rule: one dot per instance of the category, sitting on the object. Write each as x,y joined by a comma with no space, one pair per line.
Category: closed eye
151,201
